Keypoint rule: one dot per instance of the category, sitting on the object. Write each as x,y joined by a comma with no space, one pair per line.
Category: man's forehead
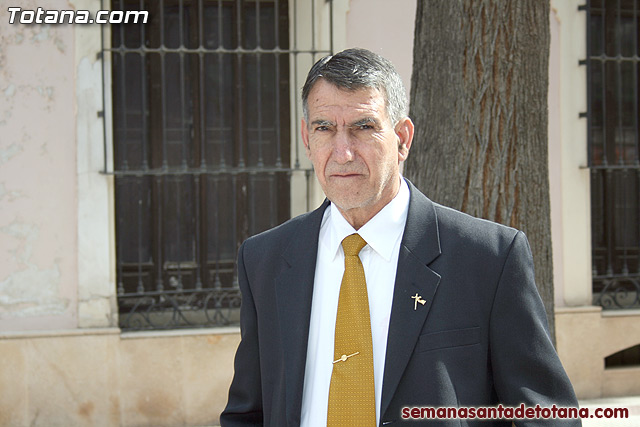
324,96
327,88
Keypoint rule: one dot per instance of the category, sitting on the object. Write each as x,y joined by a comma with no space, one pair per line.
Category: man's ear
404,131
305,135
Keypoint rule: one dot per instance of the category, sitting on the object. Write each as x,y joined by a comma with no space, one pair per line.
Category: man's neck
358,217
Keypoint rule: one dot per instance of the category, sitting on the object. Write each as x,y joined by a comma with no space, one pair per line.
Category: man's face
354,148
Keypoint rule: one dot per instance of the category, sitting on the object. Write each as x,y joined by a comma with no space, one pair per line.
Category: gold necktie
352,391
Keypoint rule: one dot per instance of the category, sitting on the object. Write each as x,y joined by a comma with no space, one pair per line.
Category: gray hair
354,69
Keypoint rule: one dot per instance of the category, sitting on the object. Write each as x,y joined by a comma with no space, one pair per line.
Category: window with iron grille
201,151
613,54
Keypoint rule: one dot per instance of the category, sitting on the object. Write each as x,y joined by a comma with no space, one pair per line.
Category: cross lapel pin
417,299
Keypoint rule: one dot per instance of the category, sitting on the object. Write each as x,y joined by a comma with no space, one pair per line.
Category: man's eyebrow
321,122
365,121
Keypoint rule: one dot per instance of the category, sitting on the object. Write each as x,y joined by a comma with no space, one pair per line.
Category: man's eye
366,127
322,128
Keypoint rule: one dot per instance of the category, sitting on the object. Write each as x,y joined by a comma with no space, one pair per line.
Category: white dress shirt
383,234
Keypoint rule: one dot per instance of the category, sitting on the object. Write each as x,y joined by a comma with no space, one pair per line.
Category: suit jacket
481,338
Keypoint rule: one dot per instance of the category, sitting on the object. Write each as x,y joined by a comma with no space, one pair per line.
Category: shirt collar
381,232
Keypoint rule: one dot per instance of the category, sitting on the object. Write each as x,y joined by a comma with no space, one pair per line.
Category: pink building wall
38,186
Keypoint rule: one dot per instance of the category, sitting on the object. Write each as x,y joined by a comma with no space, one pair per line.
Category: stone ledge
621,313
223,330
580,309
56,333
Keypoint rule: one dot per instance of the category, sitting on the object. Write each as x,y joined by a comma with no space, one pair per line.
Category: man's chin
346,204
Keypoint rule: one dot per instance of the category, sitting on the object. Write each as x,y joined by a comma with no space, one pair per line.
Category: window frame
229,294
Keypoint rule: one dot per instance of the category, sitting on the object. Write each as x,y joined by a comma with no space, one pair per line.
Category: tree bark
479,103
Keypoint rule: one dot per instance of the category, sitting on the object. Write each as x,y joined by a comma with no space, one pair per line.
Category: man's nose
343,147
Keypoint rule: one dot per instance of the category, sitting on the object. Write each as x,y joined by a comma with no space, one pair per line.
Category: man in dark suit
453,317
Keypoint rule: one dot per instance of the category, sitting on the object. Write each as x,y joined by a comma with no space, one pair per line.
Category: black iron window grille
613,133
203,154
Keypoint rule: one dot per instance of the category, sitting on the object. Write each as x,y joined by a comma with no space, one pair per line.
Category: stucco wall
386,28
38,214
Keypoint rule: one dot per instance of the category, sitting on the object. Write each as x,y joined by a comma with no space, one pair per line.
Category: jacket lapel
420,246
294,290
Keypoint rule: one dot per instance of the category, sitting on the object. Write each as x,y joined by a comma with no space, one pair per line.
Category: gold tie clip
344,357
418,299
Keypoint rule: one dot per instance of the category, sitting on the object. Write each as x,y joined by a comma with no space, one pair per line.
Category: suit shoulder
449,215
452,222
461,227
280,235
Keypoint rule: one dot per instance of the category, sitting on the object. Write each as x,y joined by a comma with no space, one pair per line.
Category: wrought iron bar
239,88
123,106
201,70
276,85
272,195
221,85
234,213
159,261
638,225
609,191
163,80
259,85
618,45
216,171
296,125
199,186
635,82
229,51
252,203
217,283
615,167
186,130
605,141
178,181
120,246
140,287
198,191
145,106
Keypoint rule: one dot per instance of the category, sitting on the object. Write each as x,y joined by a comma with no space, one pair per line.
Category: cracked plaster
30,289
38,182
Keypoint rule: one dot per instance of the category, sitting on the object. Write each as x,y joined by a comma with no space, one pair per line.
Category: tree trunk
479,102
